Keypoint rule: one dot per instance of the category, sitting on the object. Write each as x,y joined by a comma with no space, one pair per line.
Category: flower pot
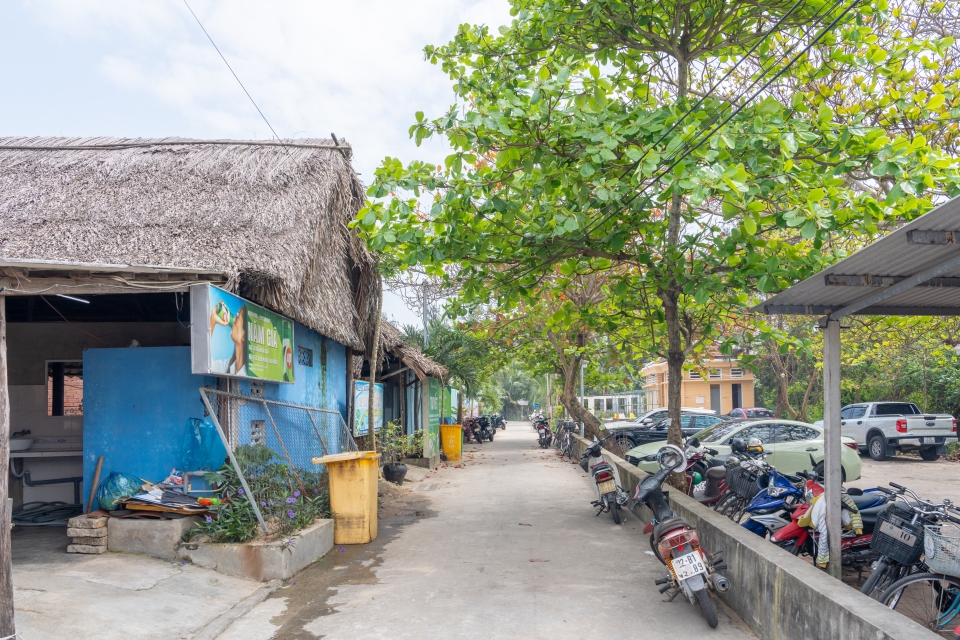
394,472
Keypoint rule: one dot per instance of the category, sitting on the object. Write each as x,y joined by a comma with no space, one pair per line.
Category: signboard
232,337
361,407
522,403
431,435
535,405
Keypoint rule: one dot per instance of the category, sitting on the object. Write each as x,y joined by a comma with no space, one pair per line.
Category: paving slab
505,546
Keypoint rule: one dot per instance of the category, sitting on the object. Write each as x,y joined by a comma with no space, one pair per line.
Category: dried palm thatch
392,344
272,219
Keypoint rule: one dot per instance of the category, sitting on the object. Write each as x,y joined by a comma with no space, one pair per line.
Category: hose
13,471
45,514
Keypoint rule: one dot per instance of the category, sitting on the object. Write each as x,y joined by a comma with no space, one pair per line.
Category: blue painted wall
136,403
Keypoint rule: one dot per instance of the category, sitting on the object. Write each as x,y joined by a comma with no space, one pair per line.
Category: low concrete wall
427,463
263,560
779,596
156,538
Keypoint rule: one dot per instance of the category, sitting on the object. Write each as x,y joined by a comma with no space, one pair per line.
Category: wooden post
7,626
374,363
832,469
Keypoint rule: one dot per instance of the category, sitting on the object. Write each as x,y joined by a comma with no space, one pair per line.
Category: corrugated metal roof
875,271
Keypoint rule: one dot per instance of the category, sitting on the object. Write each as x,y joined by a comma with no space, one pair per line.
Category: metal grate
305,356
261,434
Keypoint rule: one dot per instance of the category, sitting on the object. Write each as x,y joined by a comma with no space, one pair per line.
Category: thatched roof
271,218
392,344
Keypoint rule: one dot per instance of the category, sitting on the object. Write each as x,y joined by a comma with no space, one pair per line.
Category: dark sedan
691,424
749,413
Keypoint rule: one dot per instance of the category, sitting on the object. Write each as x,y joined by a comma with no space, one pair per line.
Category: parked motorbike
498,421
610,497
772,508
705,478
692,571
487,430
472,432
544,437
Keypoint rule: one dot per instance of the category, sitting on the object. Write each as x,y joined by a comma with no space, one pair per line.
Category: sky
146,69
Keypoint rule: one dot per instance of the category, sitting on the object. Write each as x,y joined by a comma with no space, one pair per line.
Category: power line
689,150
232,71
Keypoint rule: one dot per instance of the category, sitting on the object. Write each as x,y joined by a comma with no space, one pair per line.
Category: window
719,431
893,409
702,422
258,431
763,431
715,374
304,356
695,375
853,411
652,378
598,404
736,373
794,432
65,388
609,404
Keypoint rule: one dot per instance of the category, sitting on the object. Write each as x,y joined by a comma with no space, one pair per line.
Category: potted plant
393,445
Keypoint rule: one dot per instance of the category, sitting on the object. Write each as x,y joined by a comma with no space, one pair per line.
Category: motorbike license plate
688,566
607,486
897,533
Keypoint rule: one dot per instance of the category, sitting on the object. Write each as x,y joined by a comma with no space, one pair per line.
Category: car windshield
718,431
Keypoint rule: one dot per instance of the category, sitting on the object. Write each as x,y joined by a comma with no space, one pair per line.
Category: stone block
156,538
86,548
263,561
97,542
76,532
83,522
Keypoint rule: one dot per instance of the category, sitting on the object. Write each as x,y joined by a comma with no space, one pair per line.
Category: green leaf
587,170
571,224
808,230
749,225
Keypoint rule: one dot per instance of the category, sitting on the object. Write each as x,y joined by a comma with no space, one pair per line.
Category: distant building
728,386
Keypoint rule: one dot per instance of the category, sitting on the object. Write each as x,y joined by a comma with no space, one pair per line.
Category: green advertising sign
431,436
233,337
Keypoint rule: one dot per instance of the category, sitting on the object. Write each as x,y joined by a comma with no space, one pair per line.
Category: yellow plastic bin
353,495
451,439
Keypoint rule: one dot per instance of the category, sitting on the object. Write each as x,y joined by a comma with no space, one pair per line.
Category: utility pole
7,626
583,366
549,400
426,317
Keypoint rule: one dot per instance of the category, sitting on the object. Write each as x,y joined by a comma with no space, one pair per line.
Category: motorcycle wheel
656,550
706,605
790,546
615,511
491,435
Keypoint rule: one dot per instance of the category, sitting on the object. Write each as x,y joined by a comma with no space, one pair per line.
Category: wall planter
394,472
263,561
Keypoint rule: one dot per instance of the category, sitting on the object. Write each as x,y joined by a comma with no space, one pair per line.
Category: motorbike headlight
776,491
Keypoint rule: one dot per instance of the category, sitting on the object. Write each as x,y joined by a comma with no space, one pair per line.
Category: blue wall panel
136,403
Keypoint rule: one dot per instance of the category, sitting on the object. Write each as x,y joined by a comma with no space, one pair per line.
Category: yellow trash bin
353,495
451,439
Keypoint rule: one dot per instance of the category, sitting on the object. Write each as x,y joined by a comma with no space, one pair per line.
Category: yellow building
728,386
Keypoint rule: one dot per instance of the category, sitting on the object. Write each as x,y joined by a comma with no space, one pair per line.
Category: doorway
737,395
715,398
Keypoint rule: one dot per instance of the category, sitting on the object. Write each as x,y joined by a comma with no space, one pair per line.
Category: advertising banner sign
431,435
236,338
361,407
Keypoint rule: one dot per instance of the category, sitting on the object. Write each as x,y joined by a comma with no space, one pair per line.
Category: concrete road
930,480
506,546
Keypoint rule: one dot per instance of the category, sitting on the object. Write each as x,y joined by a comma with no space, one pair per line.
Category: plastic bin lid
345,457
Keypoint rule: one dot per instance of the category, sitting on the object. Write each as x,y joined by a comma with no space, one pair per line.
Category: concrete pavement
507,546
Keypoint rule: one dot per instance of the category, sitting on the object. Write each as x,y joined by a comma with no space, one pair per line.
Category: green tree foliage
685,152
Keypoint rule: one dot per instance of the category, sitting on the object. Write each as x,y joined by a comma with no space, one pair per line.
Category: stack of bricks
89,534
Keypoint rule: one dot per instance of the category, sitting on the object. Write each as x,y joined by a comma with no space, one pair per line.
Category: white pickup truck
883,428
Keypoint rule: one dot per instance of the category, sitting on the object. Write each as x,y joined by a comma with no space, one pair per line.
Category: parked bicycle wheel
930,600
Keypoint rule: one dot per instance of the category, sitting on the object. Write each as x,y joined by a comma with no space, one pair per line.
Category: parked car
691,423
654,416
883,428
790,444
753,412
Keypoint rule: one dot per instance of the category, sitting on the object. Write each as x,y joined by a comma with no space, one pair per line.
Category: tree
686,152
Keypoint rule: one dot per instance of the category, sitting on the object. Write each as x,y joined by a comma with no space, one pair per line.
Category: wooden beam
933,237
834,280
7,628
92,285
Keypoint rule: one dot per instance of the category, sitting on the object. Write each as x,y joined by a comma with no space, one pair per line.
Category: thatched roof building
392,345
271,219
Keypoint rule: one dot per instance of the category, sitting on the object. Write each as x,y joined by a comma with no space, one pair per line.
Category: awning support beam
832,468
904,285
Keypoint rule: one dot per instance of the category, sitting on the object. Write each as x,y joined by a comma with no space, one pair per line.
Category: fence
270,445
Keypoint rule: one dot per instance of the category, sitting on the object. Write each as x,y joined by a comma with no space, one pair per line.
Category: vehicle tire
790,546
723,502
615,511
924,598
706,605
656,550
819,471
877,447
625,445
929,454
490,437
880,580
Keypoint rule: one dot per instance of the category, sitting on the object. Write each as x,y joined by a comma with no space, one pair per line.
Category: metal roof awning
914,271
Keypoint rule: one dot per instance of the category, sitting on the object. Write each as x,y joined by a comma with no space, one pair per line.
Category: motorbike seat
716,473
867,498
716,462
869,517
667,525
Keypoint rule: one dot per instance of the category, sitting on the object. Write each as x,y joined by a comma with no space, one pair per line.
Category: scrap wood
137,505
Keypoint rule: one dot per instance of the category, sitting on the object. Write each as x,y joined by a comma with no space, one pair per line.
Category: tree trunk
568,397
374,364
460,407
7,626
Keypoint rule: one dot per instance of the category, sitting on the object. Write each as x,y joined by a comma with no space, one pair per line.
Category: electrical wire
252,101
688,149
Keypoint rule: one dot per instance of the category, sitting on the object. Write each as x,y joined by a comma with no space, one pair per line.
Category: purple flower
296,494
290,514
270,503
291,500
263,504
239,492
209,519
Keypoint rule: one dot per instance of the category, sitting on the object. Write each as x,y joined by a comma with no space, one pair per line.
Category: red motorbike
710,489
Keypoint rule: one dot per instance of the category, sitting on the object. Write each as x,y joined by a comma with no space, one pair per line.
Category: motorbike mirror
693,442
